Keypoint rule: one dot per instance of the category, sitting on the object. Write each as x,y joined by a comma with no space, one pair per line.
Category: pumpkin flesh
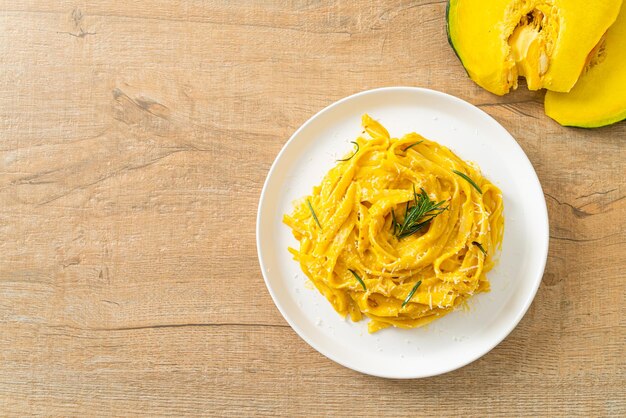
599,96
545,41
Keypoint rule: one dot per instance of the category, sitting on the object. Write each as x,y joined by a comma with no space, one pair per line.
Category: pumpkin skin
546,41
599,96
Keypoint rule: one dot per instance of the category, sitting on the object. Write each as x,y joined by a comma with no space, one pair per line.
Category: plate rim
506,331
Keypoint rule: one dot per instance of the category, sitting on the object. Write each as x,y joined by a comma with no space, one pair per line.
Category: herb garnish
469,180
412,145
408,298
480,247
355,152
356,276
418,216
308,202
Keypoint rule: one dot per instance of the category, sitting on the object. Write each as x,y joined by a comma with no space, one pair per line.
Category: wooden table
135,137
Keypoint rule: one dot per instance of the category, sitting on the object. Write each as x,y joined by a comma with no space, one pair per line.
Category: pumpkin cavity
531,44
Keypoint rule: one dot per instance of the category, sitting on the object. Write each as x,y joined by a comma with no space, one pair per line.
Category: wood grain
134,140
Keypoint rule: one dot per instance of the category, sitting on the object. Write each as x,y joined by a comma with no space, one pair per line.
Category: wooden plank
134,140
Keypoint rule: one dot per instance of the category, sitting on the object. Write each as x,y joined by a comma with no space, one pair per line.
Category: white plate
460,337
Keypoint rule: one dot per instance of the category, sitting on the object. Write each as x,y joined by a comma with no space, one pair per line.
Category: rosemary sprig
412,145
356,276
417,216
469,180
355,152
308,202
480,247
411,293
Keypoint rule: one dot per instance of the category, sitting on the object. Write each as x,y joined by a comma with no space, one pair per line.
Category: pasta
401,230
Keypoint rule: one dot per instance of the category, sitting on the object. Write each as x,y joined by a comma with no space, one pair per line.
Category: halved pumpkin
599,96
546,41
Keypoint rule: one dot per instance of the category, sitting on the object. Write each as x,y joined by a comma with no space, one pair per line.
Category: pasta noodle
356,230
